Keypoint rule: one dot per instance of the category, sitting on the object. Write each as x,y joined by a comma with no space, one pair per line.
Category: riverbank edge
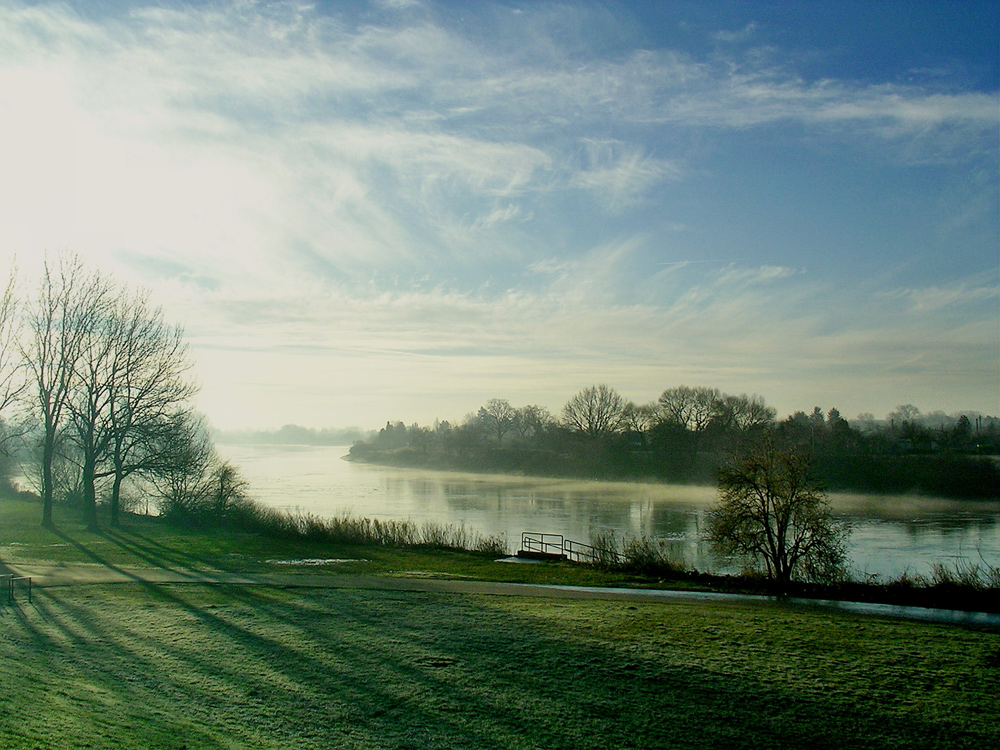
315,538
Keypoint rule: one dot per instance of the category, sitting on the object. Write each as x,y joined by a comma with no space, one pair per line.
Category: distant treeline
290,434
686,434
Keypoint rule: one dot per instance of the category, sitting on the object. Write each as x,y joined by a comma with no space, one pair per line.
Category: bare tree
108,362
57,323
745,413
196,485
13,382
904,414
530,420
95,369
149,396
185,455
640,418
497,417
129,389
771,512
692,408
227,487
595,412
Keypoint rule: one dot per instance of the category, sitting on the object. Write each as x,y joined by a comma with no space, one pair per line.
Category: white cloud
740,35
500,215
711,326
374,195
620,174
733,275
934,300
398,4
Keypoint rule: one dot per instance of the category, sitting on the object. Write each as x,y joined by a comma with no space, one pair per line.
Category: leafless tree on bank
691,408
111,379
13,382
745,414
186,458
532,420
57,324
641,418
96,368
596,412
150,395
498,418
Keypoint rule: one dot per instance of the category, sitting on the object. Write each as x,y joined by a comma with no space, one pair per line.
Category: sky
397,209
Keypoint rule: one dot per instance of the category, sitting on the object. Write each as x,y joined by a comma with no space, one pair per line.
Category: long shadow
153,553
335,665
350,682
370,678
454,672
157,554
264,648
96,558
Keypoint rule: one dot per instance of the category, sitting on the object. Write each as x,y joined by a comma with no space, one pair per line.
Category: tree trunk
90,493
48,453
116,493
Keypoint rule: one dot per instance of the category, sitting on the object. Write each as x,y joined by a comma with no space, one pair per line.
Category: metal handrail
578,551
559,546
546,544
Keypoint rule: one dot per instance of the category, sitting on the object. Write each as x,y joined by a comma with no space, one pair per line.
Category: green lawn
145,541
204,666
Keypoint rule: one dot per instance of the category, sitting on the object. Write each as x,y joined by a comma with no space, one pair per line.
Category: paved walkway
69,575
80,574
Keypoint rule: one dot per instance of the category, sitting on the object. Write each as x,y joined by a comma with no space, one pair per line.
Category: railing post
9,580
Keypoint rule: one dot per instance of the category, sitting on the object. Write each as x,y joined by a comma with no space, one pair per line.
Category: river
890,535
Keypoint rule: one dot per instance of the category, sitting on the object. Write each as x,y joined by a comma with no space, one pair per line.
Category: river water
890,535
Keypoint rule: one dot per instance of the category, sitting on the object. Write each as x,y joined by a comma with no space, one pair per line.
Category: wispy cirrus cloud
932,300
620,174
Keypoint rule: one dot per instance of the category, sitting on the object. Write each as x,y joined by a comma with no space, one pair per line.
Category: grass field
144,665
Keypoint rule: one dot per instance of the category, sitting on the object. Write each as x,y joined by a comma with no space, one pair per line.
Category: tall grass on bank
968,574
963,585
251,516
963,575
643,555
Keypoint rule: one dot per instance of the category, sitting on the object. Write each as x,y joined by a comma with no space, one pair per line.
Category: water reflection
890,536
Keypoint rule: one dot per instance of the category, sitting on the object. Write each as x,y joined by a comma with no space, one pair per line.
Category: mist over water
891,535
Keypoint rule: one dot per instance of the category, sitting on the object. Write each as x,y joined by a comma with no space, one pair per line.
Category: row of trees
597,431
905,430
95,385
686,434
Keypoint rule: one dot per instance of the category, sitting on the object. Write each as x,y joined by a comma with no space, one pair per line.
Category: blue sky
397,210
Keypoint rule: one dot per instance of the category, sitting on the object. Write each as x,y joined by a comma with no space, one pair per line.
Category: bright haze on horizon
397,209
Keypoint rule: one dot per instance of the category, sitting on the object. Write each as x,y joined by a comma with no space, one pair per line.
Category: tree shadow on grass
156,553
248,666
256,666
